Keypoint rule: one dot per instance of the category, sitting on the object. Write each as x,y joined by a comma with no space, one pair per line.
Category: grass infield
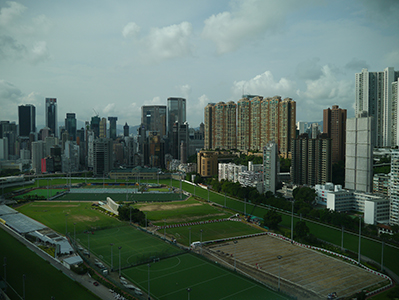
42,280
61,216
170,278
145,197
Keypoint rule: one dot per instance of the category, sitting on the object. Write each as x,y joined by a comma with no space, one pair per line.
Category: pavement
100,291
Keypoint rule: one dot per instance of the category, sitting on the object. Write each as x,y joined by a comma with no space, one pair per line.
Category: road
100,291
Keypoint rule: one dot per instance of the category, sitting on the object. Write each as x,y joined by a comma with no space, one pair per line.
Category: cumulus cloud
131,30
195,110
10,48
325,92
11,97
169,42
109,109
8,14
39,52
357,65
154,101
247,20
264,85
185,90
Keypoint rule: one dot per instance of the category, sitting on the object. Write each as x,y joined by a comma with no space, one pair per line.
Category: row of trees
128,212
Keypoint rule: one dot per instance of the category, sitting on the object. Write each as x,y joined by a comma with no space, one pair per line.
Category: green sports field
137,246
170,278
181,211
144,197
42,280
42,192
61,216
211,231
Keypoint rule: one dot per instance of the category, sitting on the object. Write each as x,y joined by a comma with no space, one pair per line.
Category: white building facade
394,188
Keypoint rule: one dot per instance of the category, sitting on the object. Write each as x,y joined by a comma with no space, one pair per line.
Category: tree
301,229
305,194
271,219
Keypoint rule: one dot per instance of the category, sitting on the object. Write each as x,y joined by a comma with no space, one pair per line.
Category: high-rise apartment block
271,167
51,115
311,160
360,134
126,129
26,119
394,187
375,92
259,121
334,125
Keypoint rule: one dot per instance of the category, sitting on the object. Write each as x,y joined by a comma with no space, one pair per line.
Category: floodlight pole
208,193
149,297
225,199
292,221
112,258
189,236
74,233
188,293
120,261
279,257
194,189
88,242
164,229
342,239
235,253
245,207
201,241
47,189
382,256
66,225
145,220
130,208
126,188
360,238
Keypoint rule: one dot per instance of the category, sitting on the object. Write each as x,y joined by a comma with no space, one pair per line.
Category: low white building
230,171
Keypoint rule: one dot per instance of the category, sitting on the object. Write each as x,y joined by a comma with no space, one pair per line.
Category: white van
195,244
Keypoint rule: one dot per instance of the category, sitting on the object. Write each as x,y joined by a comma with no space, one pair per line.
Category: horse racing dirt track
303,272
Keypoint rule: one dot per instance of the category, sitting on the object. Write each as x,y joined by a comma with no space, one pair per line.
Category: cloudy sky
112,57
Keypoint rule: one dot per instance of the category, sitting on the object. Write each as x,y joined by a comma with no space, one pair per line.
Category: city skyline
203,52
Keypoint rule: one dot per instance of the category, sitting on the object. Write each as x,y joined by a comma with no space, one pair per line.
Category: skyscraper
70,125
209,126
374,96
51,115
112,127
153,117
334,125
176,112
244,124
102,156
126,130
26,119
359,153
103,128
95,126
225,132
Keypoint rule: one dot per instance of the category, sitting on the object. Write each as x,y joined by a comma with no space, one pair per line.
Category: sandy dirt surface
303,272
160,207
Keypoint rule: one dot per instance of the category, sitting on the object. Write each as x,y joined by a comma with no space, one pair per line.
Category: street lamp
164,228
188,293
88,242
235,253
360,237
189,236
5,274
279,257
112,258
23,285
120,260
145,220
74,232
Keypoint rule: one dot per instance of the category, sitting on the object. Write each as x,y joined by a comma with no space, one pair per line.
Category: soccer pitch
136,246
171,278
